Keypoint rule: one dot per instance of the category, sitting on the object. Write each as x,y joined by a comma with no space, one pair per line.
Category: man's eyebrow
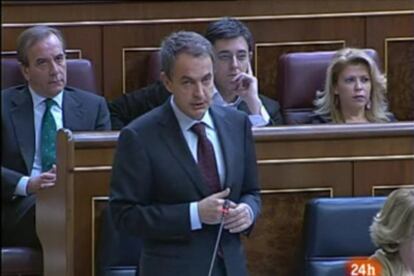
186,78
209,75
224,51
40,59
230,52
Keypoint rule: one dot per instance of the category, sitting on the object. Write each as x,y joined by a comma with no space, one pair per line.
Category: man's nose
198,90
53,67
234,61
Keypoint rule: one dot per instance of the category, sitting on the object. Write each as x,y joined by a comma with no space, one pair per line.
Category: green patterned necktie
48,137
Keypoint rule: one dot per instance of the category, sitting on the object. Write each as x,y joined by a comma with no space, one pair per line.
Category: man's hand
246,87
210,209
238,218
42,181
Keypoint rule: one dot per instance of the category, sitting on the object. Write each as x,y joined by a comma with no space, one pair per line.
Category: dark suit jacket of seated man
23,109
126,108
235,84
159,191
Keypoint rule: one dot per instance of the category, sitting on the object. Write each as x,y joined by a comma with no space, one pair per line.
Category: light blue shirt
257,120
191,138
39,107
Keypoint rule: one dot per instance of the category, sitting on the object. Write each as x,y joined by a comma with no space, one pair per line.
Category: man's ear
249,69
25,71
166,81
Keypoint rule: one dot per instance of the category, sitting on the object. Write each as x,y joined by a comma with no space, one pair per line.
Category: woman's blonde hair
327,103
395,222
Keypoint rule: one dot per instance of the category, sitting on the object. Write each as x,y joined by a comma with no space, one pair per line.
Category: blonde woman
355,91
393,232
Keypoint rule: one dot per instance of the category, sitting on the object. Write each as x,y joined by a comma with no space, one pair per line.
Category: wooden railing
295,165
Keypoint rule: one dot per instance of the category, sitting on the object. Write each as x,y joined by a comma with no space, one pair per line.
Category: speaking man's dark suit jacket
155,178
81,111
132,105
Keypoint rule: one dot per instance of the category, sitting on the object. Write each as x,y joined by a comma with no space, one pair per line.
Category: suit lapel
23,120
226,142
72,112
173,137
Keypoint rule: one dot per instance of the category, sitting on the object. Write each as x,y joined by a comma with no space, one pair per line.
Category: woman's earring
368,106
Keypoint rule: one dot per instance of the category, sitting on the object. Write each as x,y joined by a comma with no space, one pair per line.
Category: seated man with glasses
235,84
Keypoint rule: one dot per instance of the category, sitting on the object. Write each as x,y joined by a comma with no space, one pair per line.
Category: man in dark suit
162,189
235,84
31,114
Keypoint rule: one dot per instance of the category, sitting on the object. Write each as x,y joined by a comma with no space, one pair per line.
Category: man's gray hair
177,43
33,35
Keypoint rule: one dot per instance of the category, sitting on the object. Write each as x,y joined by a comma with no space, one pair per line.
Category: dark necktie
206,158
48,137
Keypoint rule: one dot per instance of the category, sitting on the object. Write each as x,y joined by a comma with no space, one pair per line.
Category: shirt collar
37,99
186,122
218,99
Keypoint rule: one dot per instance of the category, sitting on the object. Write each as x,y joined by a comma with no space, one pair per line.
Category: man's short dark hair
228,28
33,35
190,43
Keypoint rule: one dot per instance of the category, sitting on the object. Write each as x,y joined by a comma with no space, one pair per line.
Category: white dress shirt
39,107
191,138
257,120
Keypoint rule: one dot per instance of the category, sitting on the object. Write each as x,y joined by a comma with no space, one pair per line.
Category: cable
225,210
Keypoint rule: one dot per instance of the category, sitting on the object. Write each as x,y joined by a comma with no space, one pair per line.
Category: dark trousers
219,267
23,233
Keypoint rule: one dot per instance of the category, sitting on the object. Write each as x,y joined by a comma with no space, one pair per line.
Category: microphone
225,210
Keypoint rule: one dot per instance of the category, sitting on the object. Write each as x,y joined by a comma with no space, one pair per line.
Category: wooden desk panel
295,164
119,37
371,177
